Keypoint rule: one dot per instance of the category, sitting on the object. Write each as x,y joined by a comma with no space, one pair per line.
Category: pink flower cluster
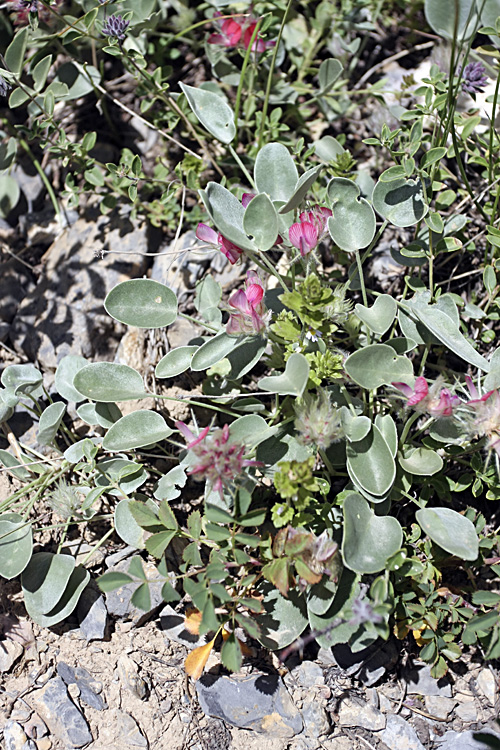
436,401
219,460
24,7
233,33
250,309
307,233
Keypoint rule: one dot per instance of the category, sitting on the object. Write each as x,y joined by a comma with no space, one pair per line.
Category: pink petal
230,250
404,387
246,198
254,294
207,234
235,324
420,391
191,439
239,301
303,236
219,39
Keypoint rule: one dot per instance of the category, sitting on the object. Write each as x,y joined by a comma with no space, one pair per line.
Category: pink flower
304,236
317,215
220,460
211,237
436,401
250,309
232,33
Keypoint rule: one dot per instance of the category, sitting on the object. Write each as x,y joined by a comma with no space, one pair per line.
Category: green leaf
284,619
321,595
40,72
260,222
292,382
388,430
227,213
245,356
143,303
380,316
141,598
135,430
275,172
52,585
450,530
212,351
400,201
14,55
348,589
169,484
21,378
452,19
432,156
352,225
329,71
50,419
421,461
16,544
304,184
9,194
126,526
166,516
444,329
212,111
230,653
65,374
370,463
250,430
368,540
175,362
377,365
113,580
109,382
156,544
15,467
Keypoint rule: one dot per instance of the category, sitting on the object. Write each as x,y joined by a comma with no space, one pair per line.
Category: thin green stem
246,60
241,166
406,429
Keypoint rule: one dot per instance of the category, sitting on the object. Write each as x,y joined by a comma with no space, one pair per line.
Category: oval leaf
352,225
212,351
65,374
275,172
212,111
227,214
260,222
49,422
175,362
143,303
450,530
421,461
16,544
135,430
400,201
370,463
301,189
109,382
368,540
452,19
52,586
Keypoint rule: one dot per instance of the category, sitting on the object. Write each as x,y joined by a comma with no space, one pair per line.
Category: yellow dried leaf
197,659
192,621
417,634
401,630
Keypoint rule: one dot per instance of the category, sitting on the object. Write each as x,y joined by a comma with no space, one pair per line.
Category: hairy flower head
318,421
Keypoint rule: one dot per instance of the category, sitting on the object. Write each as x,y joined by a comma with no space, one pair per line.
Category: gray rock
10,651
128,672
64,313
62,717
438,706
130,734
85,682
306,674
487,685
470,740
368,665
92,614
399,735
419,682
172,623
466,710
118,602
14,285
120,555
15,737
258,702
315,718
354,714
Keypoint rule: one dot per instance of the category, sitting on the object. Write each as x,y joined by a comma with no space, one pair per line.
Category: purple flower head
218,458
217,240
317,215
116,27
436,401
249,307
474,78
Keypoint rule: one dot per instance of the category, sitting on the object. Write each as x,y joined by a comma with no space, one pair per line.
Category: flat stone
10,652
486,684
92,614
315,718
438,706
399,735
128,672
337,743
58,711
470,740
258,702
129,730
419,682
466,709
173,624
369,664
118,602
354,714
84,681
308,673
15,738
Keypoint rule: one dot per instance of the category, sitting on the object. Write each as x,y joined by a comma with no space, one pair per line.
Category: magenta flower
219,459
436,401
304,235
232,33
317,215
217,240
250,309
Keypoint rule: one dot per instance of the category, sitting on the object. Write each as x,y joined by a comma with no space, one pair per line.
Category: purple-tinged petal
207,234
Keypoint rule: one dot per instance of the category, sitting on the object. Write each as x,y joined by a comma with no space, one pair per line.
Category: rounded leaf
245,356
368,540
450,530
212,351
143,303
9,195
227,213
21,378
65,374
377,365
50,419
109,382
260,222
329,71
250,430
212,111
400,201
304,183
292,382
370,463
175,362
275,172
284,619
52,585
126,526
16,544
380,316
452,18
135,430
352,225
421,462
